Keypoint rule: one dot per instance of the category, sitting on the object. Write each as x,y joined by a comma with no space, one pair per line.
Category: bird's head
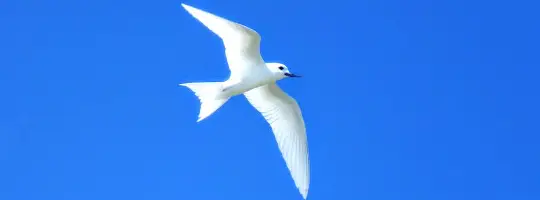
280,70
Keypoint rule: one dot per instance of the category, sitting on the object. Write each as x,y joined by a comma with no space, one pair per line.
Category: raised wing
284,116
242,44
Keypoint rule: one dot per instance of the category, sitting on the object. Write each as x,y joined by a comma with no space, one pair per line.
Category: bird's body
242,83
256,80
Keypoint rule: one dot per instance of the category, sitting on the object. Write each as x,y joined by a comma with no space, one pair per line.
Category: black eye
280,68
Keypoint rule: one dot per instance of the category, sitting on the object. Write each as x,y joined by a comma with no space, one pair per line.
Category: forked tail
207,92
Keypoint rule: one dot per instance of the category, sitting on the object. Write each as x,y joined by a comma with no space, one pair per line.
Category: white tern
254,78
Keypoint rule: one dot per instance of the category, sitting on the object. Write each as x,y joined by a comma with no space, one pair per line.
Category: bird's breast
234,87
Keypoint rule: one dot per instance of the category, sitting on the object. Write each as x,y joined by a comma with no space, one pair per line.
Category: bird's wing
242,44
284,116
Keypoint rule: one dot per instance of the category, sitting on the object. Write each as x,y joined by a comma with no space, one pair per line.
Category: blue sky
416,100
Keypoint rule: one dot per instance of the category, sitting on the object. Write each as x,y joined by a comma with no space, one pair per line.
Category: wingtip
188,7
199,120
304,194
201,117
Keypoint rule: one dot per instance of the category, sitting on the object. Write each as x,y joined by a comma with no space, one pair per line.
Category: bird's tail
207,92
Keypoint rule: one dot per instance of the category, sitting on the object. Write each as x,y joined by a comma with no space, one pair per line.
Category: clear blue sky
408,100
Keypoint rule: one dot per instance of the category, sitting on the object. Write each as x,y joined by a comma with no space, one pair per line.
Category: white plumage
254,78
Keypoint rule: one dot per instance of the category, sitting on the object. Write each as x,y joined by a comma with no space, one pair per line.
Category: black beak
292,75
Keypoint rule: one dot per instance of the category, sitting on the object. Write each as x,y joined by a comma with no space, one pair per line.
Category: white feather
284,116
242,44
254,78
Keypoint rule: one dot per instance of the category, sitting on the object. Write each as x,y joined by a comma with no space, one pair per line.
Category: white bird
254,78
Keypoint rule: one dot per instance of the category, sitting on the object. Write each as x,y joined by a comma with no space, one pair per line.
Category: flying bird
256,80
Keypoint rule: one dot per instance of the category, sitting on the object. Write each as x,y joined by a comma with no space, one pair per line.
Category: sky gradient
408,100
